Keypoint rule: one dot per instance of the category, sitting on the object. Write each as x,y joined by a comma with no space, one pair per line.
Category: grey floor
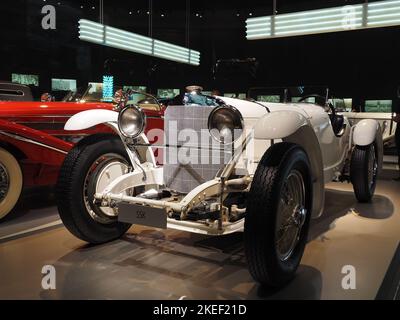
158,264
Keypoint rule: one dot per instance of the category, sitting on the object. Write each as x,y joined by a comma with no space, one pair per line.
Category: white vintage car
260,168
385,120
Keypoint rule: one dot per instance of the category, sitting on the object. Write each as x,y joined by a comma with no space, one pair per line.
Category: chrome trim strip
17,137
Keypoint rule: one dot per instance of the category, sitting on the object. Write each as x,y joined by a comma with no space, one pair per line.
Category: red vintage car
33,142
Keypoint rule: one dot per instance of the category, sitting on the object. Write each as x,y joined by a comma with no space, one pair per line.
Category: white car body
307,125
385,120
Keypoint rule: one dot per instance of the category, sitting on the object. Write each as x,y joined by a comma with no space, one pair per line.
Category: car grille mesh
207,157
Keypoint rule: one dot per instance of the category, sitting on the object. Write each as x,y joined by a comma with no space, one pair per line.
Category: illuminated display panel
63,85
168,93
378,106
26,79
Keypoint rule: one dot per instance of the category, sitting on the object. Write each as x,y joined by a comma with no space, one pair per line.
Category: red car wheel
11,181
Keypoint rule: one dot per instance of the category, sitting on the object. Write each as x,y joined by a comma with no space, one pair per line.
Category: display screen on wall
135,88
378,106
168,93
27,79
63,85
274,98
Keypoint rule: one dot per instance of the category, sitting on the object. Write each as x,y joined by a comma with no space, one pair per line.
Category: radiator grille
189,163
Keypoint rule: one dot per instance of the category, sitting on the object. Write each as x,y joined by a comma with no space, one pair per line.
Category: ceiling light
350,17
116,38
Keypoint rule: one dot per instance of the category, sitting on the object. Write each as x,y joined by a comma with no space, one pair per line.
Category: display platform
157,264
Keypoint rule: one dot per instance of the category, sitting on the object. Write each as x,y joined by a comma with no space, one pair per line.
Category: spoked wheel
364,172
88,169
291,215
11,182
278,214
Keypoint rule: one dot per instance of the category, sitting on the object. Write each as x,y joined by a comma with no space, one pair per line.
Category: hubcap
291,215
4,182
104,170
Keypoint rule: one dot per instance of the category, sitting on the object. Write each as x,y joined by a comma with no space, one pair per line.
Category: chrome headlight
225,124
131,121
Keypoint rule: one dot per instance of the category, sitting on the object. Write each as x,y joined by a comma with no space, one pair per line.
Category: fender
365,132
279,125
90,118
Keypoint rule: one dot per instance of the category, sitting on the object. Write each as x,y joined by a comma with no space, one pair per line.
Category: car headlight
225,124
131,121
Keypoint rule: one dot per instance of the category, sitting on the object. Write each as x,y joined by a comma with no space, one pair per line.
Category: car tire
364,172
284,165
76,186
11,182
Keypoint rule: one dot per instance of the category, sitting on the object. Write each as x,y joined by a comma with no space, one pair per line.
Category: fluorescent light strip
310,30
91,34
350,17
387,22
132,46
173,48
91,28
311,13
382,3
90,23
129,40
114,44
251,20
384,16
260,25
112,37
338,24
159,50
279,19
383,10
257,33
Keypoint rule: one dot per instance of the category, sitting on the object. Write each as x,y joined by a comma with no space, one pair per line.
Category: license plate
142,215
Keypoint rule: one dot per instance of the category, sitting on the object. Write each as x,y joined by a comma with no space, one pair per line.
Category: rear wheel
88,169
11,181
278,214
364,172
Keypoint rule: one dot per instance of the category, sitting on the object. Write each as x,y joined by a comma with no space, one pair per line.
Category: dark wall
354,63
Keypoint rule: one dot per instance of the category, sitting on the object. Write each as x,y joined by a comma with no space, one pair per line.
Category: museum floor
154,264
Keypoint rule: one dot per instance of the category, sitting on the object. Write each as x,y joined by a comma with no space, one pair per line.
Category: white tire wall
15,182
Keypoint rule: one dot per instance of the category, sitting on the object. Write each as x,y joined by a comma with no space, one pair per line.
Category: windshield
144,101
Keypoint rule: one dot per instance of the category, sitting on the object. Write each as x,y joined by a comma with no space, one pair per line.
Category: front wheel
278,214
88,169
364,172
11,182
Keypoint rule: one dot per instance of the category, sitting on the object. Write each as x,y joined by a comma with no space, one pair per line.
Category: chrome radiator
192,157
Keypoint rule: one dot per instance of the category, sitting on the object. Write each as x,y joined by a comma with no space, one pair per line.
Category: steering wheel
328,106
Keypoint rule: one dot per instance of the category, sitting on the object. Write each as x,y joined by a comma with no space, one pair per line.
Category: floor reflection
154,264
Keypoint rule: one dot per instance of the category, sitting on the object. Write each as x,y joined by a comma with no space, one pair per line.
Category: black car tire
363,172
71,190
260,231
